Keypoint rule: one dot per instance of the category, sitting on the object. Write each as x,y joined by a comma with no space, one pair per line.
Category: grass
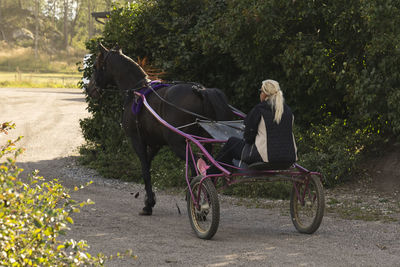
19,67
357,209
39,80
23,59
351,212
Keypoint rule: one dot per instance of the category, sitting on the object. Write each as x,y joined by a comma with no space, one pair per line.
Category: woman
268,133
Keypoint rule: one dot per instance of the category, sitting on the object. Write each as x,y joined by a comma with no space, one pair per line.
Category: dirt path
49,120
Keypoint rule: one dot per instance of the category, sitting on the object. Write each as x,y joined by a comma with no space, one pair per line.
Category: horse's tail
216,104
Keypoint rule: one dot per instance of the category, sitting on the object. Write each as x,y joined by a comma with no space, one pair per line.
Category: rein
190,112
175,106
148,86
143,83
139,85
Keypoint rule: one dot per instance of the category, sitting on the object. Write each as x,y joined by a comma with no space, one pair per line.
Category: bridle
142,83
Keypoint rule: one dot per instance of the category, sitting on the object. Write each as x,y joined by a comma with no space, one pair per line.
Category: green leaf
69,219
37,223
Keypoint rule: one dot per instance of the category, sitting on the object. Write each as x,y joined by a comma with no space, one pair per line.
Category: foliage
336,147
59,21
168,171
33,215
336,63
322,54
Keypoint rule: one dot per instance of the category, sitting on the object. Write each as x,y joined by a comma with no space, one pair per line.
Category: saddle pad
138,103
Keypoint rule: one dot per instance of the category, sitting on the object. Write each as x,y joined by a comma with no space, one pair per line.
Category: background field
8,79
29,79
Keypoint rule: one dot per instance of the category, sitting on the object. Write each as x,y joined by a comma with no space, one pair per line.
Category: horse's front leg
141,151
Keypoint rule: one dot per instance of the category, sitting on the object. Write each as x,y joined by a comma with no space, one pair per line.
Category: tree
65,28
51,10
108,4
78,6
70,18
37,11
3,35
90,19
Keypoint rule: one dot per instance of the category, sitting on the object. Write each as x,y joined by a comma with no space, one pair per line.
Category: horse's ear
102,49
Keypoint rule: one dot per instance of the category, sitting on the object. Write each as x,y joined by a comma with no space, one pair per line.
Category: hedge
336,62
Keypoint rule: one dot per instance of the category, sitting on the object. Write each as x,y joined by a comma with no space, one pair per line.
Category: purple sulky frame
296,174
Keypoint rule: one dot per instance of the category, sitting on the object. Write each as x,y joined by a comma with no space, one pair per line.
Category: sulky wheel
204,218
307,215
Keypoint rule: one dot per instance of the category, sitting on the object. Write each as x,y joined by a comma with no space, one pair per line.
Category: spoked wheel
307,213
205,217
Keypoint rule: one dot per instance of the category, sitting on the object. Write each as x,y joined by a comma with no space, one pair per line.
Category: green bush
336,147
337,58
168,170
331,54
33,215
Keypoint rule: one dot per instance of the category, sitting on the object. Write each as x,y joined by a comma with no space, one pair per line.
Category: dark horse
112,67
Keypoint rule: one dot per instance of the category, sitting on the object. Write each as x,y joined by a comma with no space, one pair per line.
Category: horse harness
145,87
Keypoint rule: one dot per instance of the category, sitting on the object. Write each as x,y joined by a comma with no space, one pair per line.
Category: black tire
205,220
307,216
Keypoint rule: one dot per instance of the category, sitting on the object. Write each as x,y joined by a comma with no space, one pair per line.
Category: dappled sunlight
249,256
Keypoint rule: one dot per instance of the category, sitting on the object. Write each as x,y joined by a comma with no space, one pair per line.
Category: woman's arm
251,125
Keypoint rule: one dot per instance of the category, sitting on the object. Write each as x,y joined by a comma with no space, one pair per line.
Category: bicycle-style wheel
204,218
307,213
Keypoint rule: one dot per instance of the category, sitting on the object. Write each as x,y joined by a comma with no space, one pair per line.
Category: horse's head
113,68
101,76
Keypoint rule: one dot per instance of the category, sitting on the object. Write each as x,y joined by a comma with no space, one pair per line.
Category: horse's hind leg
141,151
153,150
179,148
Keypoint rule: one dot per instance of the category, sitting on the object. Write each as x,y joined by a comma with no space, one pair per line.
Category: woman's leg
231,150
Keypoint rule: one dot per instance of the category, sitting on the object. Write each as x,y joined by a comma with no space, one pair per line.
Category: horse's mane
152,72
130,62
144,67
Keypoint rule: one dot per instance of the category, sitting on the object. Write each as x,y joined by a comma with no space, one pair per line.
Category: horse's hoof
146,212
150,202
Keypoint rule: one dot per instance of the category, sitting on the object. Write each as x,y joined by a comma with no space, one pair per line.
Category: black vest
274,142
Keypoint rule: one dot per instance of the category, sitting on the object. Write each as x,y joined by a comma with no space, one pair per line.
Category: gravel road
247,236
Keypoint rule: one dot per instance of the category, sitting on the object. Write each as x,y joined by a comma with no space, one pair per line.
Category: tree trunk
3,35
90,19
54,11
37,9
108,5
73,23
66,9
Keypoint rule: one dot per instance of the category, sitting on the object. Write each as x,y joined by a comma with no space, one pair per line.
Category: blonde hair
275,96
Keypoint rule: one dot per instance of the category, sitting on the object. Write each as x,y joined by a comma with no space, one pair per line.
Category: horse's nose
92,90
